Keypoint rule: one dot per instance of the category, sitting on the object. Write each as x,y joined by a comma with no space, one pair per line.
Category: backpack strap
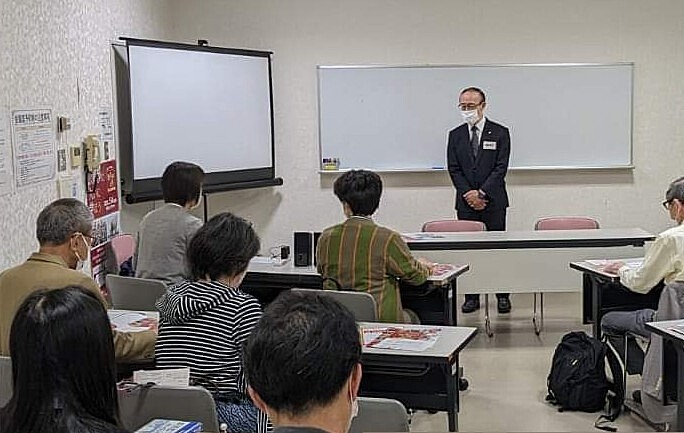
616,388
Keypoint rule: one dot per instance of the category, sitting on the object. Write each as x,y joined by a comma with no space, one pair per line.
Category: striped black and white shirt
203,326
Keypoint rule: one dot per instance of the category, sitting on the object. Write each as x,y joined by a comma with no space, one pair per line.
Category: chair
129,293
361,304
139,406
557,223
380,415
6,387
123,247
454,226
462,226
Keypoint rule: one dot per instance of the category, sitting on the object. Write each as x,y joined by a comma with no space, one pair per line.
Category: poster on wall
33,139
6,174
106,133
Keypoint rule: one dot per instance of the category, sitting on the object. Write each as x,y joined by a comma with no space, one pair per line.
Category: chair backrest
6,387
380,415
361,304
129,293
123,247
454,226
139,406
566,223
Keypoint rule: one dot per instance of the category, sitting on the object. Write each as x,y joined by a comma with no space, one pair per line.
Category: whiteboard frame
629,166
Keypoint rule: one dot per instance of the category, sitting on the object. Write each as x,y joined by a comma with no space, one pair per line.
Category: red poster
104,199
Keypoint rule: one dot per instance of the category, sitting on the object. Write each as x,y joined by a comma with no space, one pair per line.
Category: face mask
80,262
354,407
470,116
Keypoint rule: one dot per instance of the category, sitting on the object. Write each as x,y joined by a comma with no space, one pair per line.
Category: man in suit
477,156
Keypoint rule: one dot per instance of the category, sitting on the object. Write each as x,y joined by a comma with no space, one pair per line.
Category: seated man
664,260
361,255
64,231
303,364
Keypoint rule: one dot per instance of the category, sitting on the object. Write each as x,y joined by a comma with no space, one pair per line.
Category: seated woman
165,233
62,365
204,322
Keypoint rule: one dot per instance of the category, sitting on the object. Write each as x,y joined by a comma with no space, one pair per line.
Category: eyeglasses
667,204
90,238
468,107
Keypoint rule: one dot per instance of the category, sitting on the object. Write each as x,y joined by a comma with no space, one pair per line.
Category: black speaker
316,235
303,242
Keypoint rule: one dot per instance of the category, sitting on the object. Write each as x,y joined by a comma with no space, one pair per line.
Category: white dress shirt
664,260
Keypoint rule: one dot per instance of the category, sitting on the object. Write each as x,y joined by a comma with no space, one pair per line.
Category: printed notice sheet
5,155
33,138
404,338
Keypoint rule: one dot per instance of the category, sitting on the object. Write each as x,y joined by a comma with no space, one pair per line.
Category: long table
525,261
266,280
425,380
602,293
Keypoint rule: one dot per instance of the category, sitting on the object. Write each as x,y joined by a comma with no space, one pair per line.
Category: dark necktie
475,141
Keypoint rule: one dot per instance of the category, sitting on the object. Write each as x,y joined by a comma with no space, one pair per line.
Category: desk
420,380
602,292
664,329
265,281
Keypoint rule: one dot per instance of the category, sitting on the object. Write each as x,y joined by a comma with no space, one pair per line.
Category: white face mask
470,116
80,262
354,407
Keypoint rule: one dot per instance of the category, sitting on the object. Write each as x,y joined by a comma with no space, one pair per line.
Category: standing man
477,156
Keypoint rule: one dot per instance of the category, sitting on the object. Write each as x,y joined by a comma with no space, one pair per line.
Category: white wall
306,33
56,54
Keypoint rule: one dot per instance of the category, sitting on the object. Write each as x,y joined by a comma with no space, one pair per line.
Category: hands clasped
473,199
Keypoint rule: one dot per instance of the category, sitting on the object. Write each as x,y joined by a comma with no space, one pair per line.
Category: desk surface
450,341
289,269
664,329
596,269
527,239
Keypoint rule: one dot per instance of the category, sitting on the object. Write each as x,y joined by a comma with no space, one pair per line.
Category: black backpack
578,381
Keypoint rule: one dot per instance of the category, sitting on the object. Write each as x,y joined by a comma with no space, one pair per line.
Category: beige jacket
45,271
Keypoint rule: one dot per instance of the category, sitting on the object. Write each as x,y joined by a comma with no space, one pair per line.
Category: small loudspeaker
303,242
316,235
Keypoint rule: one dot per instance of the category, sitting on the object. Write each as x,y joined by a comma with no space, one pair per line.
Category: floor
507,373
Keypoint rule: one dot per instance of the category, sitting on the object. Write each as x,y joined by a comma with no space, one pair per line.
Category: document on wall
6,173
33,139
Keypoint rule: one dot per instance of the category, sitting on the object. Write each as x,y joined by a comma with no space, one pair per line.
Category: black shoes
470,305
503,305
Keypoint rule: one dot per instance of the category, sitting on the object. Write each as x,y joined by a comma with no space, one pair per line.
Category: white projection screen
206,105
561,116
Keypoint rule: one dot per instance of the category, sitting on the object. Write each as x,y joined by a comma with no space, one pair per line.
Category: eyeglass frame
468,107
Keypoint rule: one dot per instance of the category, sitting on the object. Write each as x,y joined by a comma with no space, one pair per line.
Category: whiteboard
398,117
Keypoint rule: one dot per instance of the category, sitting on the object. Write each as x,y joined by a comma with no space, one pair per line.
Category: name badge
489,145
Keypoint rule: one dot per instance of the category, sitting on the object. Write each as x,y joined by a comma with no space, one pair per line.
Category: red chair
566,223
123,247
454,226
557,223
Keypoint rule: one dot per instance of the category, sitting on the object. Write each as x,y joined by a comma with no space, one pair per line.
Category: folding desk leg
488,327
538,322
452,395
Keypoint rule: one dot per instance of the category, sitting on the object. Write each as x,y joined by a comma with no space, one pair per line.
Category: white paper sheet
164,377
404,338
34,152
132,321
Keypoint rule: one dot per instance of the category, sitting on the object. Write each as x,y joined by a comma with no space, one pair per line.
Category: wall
56,54
306,33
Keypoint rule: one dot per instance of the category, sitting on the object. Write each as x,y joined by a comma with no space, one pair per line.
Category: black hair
182,182
63,369
675,190
61,219
476,90
302,352
223,246
360,189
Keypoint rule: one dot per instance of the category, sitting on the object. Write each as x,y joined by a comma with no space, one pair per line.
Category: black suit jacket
488,171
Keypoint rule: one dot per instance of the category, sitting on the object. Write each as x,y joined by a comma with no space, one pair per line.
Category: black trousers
494,219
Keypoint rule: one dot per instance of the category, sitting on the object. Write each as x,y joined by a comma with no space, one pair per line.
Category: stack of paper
170,426
404,338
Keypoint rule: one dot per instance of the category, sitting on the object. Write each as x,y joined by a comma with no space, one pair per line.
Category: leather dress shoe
470,305
503,305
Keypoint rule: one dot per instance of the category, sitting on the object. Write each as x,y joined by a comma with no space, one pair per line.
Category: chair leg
488,327
538,321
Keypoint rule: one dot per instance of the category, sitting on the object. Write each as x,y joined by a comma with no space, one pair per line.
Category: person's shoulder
494,125
673,232
463,127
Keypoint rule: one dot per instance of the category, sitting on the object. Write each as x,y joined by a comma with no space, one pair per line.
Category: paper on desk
441,269
421,235
131,321
404,338
630,263
165,377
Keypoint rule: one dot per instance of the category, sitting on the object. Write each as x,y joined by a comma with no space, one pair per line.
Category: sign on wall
33,138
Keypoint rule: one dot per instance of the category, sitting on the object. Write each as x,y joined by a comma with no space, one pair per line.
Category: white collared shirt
664,260
480,127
